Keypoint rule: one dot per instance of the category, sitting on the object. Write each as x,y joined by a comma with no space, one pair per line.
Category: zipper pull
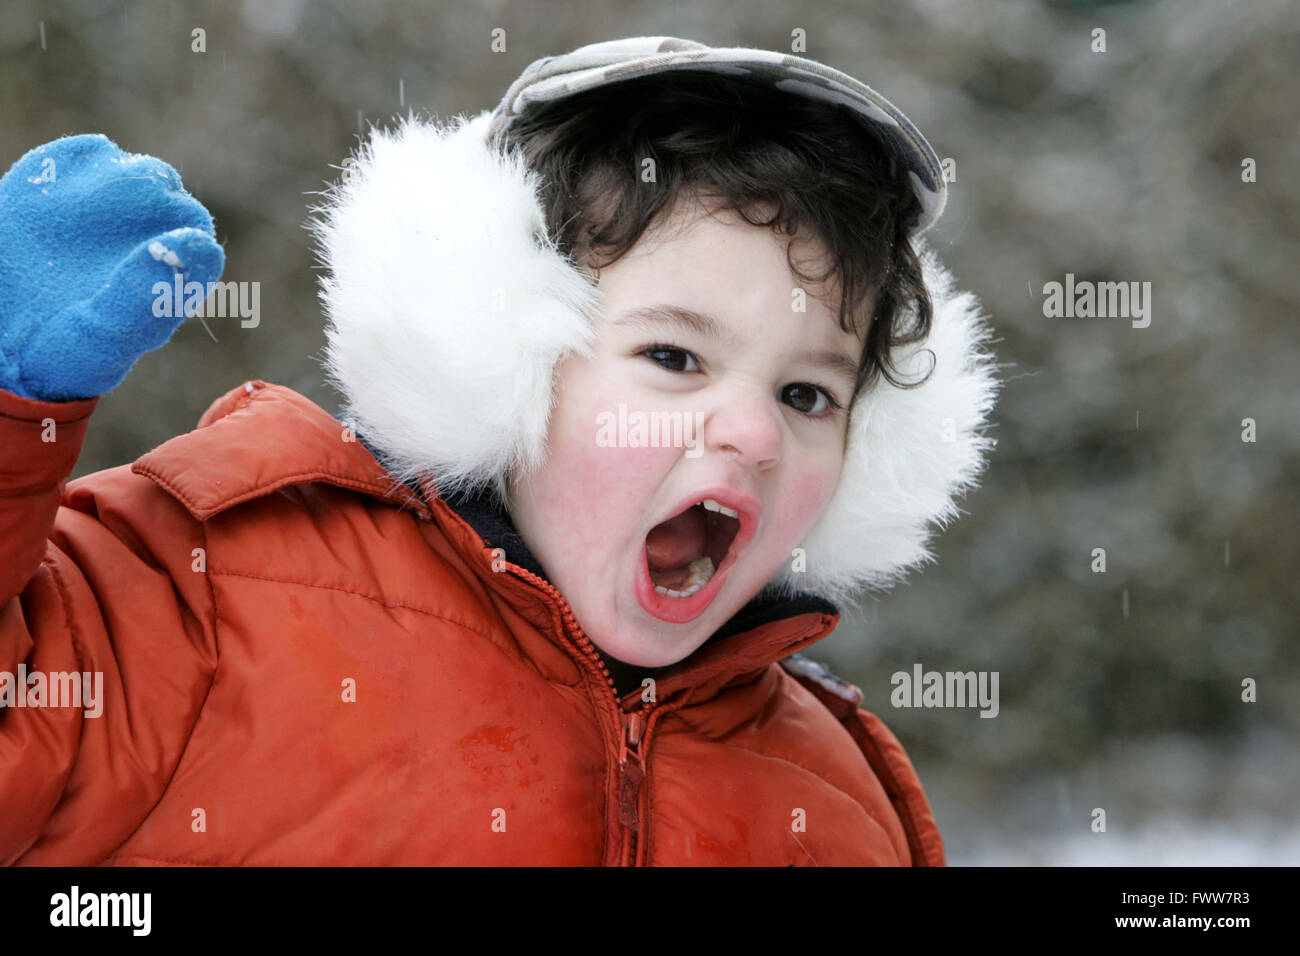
630,765
634,729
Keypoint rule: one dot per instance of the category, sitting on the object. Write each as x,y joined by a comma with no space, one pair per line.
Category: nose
745,427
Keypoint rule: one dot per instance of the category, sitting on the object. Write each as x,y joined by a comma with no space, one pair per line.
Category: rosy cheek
607,491
624,481
802,505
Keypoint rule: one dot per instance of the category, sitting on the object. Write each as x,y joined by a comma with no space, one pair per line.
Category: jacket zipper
633,736
631,772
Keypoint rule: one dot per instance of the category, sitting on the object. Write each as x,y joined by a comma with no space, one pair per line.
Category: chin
652,650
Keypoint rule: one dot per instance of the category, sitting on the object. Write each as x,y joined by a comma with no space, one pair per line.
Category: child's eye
810,400
823,402
655,350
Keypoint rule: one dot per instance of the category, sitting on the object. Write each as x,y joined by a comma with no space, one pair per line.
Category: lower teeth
701,569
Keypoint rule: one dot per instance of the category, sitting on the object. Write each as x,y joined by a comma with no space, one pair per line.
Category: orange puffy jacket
304,663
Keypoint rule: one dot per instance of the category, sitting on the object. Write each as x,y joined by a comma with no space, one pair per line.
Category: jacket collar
259,438
793,617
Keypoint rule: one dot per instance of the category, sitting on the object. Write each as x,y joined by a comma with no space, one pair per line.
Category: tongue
678,541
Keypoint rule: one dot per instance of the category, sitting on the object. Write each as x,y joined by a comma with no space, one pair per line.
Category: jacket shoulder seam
377,599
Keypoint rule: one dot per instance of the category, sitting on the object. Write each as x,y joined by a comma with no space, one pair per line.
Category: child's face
766,437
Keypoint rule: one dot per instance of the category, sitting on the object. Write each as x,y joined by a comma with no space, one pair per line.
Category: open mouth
684,552
687,559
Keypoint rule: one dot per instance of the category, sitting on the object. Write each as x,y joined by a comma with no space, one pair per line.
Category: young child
489,615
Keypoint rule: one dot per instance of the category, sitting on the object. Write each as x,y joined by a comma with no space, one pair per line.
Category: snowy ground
1175,841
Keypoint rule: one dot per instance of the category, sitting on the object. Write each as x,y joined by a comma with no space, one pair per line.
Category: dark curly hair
745,147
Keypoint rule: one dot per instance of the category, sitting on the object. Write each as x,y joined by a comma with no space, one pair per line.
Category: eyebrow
702,323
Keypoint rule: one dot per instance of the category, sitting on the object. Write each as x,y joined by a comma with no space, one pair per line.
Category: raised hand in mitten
86,233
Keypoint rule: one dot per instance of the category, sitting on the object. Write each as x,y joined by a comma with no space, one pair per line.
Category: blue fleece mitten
86,233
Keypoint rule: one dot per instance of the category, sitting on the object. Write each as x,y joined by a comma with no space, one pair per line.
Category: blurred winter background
1119,690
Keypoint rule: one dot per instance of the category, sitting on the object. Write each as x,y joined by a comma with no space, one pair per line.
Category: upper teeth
711,505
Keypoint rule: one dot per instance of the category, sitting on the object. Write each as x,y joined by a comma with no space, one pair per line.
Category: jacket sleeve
894,769
107,640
